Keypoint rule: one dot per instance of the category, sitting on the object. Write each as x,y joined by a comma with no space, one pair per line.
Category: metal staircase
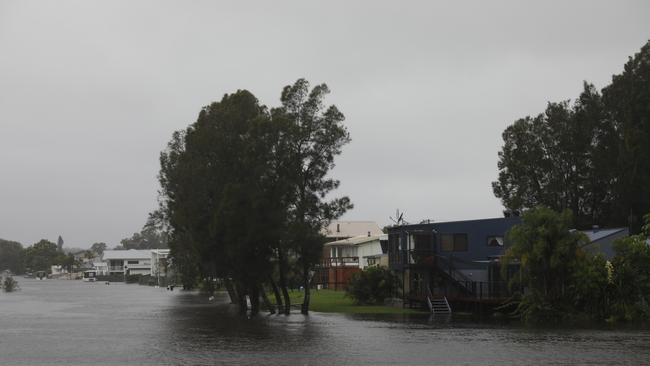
438,306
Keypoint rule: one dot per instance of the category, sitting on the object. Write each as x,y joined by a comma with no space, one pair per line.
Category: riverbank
330,301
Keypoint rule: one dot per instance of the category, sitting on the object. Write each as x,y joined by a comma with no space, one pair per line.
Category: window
333,252
460,242
447,242
495,241
133,262
453,242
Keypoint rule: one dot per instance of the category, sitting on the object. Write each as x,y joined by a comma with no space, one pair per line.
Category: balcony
340,262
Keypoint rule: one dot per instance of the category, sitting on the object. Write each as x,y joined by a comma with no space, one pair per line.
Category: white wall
368,249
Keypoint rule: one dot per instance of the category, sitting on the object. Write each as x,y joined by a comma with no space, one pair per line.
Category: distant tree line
38,257
592,156
245,192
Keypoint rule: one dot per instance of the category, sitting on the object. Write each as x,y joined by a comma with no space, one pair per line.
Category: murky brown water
58,322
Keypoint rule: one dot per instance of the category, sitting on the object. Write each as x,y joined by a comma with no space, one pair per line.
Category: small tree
549,256
9,284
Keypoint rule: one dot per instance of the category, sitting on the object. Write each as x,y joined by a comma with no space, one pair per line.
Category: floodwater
58,322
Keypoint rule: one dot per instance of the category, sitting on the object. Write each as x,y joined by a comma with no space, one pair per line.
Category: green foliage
243,186
631,278
42,255
550,262
12,256
373,285
98,248
591,157
150,237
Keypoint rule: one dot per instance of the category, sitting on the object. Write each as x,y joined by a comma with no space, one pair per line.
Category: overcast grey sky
91,91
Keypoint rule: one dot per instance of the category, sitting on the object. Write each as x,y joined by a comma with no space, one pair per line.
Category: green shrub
373,285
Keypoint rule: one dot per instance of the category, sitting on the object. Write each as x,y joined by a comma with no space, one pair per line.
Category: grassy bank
330,301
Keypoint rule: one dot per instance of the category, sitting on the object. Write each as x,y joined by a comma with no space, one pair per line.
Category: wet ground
58,322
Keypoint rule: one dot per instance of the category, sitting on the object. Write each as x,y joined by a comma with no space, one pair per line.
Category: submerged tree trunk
255,299
265,300
282,259
276,293
241,298
307,284
234,298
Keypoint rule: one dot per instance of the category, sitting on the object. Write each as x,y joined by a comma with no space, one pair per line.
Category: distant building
128,262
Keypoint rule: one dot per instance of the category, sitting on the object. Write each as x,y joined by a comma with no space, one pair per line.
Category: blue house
456,260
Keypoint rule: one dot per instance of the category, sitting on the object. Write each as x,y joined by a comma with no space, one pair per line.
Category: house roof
348,229
357,240
598,234
127,254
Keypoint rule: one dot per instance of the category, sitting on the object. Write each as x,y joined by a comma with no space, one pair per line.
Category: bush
9,284
135,278
373,285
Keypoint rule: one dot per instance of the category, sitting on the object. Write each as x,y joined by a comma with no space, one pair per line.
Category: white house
363,250
128,262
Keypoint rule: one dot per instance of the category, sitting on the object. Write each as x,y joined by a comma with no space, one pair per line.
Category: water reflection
70,322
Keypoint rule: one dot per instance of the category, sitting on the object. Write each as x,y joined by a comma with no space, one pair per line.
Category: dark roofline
607,236
457,222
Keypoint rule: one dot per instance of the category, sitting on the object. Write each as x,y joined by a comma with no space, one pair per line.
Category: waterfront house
346,256
128,262
458,259
349,246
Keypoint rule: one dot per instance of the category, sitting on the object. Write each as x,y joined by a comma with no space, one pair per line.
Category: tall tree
591,157
627,101
317,137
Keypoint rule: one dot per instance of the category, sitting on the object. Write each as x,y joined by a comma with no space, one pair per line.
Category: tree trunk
276,292
307,284
241,298
282,258
255,300
234,298
265,300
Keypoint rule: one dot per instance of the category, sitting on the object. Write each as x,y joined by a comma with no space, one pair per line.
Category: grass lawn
330,301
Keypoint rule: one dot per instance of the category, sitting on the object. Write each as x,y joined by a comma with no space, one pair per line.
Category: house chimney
338,228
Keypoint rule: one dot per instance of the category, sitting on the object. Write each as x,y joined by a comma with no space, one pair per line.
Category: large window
453,243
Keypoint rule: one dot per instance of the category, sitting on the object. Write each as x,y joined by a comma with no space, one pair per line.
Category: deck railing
340,262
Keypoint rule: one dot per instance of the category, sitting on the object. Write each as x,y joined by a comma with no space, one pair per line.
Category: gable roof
357,240
348,229
127,254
